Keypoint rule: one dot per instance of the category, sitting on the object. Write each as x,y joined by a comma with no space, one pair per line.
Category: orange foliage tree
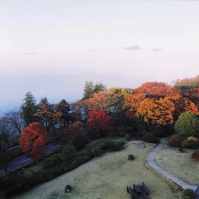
47,115
101,101
153,102
75,127
32,140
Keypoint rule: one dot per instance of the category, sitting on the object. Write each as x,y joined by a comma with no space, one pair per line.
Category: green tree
29,109
99,87
88,90
64,108
187,124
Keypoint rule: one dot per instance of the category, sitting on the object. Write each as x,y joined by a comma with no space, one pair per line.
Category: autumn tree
187,83
47,115
99,120
32,140
75,127
159,112
29,109
101,101
153,102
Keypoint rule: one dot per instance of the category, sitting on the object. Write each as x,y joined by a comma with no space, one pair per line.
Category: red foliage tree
99,120
32,140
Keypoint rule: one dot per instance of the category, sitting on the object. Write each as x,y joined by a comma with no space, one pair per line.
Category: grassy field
105,177
179,164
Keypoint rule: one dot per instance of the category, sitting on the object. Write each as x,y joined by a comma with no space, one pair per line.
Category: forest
152,107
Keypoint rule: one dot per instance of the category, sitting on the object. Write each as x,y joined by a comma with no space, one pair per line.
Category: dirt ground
179,164
105,177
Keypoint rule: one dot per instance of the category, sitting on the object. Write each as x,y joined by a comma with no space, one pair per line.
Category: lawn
179,164
105,177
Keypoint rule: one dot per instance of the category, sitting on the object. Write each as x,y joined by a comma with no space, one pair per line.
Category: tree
46,114
5,133
101,101
90,89
75,127
64,108
5,159
187,124
99,87
187,83
29,109
14,117
99,120
32,140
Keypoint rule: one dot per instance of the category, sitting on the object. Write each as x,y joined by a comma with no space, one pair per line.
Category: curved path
152,163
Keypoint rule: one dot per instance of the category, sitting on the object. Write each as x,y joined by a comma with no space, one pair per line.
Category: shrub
51,161
175,140
188,194
116,146
131,157
186,144
150,138
127,136
121,131
69,151
195,155
190,144
187,124
192,138
80,142
159,133
96,148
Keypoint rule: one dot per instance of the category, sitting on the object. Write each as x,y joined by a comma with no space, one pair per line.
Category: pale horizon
51,48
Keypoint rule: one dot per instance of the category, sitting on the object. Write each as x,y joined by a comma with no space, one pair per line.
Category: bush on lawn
69,151
195,155
175,140
131,157
188,194
116,146
51,161
96,148
149,137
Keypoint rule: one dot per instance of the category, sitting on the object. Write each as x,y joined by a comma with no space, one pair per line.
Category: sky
51,48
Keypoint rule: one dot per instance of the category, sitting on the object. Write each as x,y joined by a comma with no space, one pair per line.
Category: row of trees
153,105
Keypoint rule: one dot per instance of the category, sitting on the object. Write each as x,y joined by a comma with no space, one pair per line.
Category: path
152,163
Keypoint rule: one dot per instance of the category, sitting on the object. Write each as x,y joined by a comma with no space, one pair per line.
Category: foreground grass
105,177
179,164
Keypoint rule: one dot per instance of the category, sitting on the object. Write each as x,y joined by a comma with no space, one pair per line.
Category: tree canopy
187,124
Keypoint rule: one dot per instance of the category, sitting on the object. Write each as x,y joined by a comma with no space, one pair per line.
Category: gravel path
152,163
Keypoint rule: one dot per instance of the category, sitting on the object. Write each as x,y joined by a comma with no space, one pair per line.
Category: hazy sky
51,48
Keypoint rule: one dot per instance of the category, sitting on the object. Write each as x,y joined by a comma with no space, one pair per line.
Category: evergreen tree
29,109
64,108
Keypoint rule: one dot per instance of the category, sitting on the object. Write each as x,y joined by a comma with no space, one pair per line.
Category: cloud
156,50
133,48
28,53
89,50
